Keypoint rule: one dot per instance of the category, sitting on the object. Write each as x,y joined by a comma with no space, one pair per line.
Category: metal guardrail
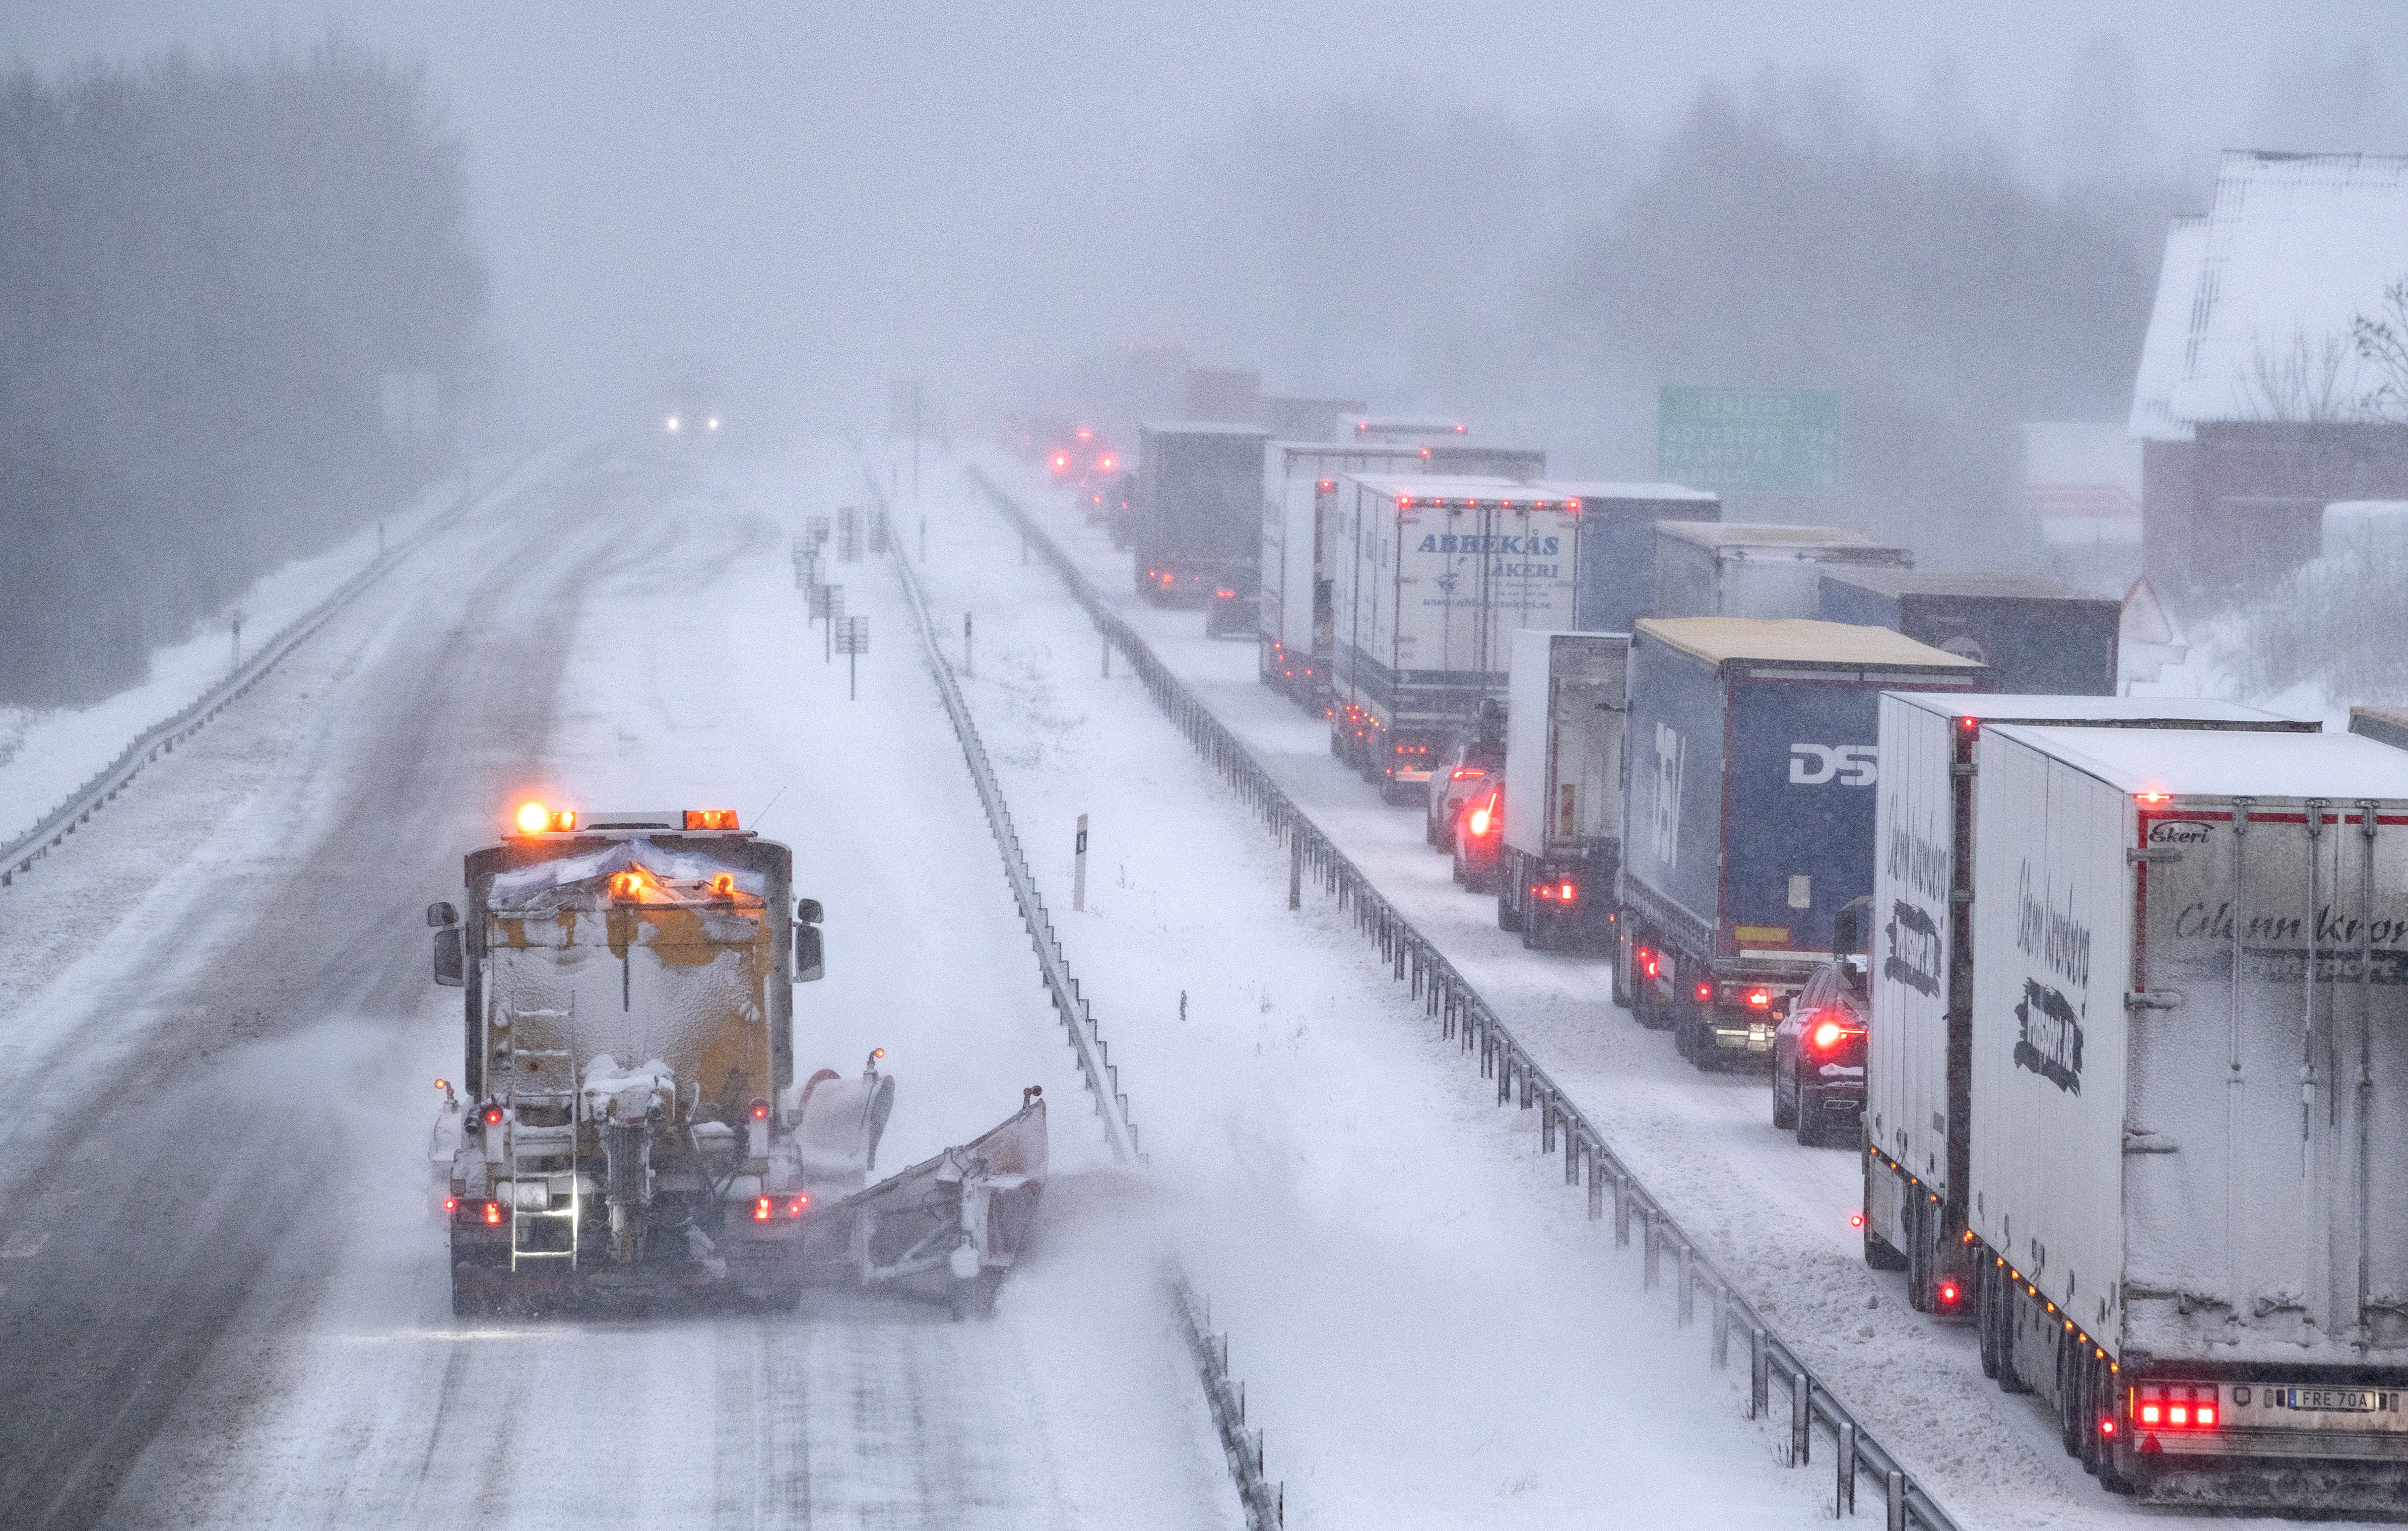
1462,1014
19,856
1264,1502
1078,1018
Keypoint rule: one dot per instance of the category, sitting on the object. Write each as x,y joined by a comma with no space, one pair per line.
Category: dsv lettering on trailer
2050,1042
1850,764
1913,950
2054,936
1501,545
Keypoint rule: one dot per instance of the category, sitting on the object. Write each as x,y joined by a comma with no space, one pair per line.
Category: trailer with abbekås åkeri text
1433,578
1299,533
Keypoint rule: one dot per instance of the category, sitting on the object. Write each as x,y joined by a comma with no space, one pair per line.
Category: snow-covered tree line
216,281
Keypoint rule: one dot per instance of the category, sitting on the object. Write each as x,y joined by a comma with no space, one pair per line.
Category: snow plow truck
629,1121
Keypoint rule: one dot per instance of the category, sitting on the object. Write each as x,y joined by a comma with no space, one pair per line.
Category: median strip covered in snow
1264,1502
1464,1016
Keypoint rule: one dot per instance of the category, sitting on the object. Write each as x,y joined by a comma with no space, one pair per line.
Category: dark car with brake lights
1818,1049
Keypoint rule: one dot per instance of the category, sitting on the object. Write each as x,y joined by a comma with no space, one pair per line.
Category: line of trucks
2132,1095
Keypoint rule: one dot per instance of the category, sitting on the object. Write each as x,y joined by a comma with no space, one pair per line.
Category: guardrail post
1685,1308
1759,1374
1649,1243
1596,1183
1896,1504
1295,863
1844,1493
1802,1418
1722,1330
1621,1210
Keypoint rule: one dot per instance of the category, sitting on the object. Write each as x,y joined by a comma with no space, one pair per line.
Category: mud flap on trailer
947,1229
1885,1214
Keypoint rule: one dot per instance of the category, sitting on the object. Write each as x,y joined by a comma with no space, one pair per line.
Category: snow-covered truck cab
631,1118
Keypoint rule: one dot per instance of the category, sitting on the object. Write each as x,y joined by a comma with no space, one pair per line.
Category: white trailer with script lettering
1918,1108
2189,1155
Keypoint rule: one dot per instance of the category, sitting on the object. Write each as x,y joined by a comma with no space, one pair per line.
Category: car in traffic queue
1479,832
1470,767
1818,1049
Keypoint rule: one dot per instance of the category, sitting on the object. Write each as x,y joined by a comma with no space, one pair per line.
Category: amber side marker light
710,818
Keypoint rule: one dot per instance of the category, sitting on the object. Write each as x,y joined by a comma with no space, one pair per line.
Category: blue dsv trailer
1754,747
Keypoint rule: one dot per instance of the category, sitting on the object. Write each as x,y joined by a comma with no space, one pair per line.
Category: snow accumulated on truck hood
581,882
2223,762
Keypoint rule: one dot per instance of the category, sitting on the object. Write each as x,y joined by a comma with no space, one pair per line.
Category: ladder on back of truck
542,1150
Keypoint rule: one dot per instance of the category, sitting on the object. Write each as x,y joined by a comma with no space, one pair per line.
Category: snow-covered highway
221,1297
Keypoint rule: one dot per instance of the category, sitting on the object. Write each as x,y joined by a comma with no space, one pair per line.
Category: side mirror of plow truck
810,957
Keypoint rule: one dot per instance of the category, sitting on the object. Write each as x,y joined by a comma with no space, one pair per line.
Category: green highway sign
1749,440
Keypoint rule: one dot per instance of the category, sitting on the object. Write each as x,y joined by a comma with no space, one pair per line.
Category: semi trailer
1919,1094
629,1121
1433,577
1754,569
1617,548
2189,1208
1300,536
1748,814
1568,701
2040,638
1199,514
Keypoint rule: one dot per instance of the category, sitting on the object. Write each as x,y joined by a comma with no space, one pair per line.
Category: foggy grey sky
820,195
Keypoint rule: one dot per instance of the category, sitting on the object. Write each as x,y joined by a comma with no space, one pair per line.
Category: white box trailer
1565,711
1917,1090
2189,1156
1432,578
1723,568
1299,534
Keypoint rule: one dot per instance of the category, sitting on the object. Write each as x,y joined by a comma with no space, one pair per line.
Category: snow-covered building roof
2293,249
2169,337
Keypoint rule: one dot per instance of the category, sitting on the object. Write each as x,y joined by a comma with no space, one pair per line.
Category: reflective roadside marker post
235,616
969,666
1079,868
1108,658
835,615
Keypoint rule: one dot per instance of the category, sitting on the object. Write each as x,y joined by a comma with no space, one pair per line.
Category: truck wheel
1622,971
1337,745
1511,915
1986,1304
2010,1299
2071,1390
1916,1204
